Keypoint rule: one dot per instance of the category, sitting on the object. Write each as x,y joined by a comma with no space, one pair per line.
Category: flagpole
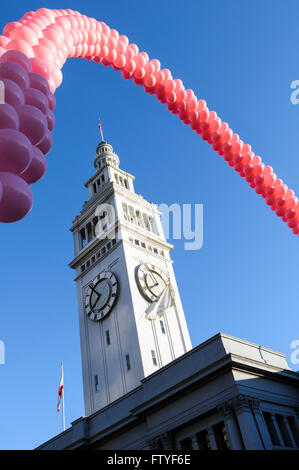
63,416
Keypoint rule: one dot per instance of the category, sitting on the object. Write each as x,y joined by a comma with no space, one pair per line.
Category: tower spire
101,130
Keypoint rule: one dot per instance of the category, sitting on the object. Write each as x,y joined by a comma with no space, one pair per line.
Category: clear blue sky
241,58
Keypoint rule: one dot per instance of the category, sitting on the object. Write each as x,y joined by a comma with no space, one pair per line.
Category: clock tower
123,270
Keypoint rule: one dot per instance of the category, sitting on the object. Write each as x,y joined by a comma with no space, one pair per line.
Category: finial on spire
101,130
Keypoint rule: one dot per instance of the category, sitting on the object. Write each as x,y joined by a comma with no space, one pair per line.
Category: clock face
101,295
151,281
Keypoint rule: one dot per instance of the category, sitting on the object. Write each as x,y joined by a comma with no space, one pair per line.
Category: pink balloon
23,32
17,57
2,51
21,45
37,167
49,44
51,34
9,118
11,26
15,151
16,199
46,144
33,123
37,29
40,67
38,82
52,84
41,21
45,54
37,99
45,12
4,41
57,75
13,93
14,72
64,22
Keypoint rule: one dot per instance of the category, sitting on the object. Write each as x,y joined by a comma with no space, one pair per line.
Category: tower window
108,337
137,242
89,232
155,250
103,179
96,383
162,327
82,238
128,362
154,357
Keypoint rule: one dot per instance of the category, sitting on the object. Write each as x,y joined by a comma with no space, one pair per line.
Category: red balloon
37,167
46,144
16,199
15,151
19,58
33,123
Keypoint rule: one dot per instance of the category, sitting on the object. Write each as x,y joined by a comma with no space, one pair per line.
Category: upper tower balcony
106,163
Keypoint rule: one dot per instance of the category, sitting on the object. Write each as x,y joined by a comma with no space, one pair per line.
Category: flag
60,389
162,303
101,130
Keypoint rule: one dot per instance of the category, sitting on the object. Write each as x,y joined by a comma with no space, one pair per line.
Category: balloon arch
32,53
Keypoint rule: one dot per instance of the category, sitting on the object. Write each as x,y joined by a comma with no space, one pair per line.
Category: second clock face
151,281
101,295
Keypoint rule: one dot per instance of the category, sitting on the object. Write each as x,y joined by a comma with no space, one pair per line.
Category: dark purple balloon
33,123
13,93
1,191
18,57
14,72
16,199
52,101
9,118
36,98
51,120
46,144
37,167
15,151
39,82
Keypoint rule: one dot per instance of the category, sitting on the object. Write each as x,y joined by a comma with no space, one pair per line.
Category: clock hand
98,297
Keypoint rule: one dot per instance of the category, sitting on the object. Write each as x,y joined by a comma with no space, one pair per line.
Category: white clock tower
122,266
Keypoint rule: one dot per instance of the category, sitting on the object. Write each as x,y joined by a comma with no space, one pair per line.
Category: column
262,426
278,433
289,431
194,442
212,438
231,426
248,426
167,441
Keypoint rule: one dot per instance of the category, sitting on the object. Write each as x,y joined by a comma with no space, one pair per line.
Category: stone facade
220,395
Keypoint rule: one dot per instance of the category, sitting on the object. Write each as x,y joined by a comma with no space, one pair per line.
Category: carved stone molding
238,404
161,442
